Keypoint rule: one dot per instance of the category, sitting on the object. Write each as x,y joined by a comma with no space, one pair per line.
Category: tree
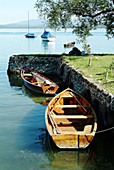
81,15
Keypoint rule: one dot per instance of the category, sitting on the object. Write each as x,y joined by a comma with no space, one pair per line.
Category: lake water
24,142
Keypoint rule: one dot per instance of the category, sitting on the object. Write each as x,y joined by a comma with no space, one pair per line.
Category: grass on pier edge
100,64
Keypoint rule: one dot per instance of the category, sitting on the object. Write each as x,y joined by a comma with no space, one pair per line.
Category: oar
78,102
54,130
54,124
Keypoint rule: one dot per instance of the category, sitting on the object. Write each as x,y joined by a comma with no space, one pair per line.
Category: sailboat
47,36
30,35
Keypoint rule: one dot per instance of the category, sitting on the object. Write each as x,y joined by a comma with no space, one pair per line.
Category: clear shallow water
24,143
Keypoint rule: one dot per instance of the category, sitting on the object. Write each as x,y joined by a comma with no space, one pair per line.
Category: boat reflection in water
101,148
41,99
67,159
74,159
48,46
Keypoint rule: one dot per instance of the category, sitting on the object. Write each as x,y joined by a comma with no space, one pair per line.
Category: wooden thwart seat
67,96
70,106
72,116
27,74
38,82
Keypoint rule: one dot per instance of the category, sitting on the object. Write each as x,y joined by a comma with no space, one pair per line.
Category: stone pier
101,100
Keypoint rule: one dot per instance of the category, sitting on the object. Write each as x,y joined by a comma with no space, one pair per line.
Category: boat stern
72,141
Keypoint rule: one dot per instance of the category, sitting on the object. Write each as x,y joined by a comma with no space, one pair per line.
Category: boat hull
33,88
72,141
48,39
30,35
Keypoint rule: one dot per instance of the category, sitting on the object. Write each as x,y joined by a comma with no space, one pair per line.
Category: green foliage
80,15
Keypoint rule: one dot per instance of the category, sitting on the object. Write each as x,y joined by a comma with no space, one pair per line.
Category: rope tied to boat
105,130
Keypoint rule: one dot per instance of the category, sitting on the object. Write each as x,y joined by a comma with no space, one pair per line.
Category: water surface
24,142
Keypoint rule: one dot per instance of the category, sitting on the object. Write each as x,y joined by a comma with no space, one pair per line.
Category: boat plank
70,106
38,82
27,74
73,116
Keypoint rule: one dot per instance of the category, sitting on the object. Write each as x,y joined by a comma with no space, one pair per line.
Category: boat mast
28,21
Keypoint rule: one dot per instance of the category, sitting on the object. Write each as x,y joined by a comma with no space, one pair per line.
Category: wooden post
89,62
106,75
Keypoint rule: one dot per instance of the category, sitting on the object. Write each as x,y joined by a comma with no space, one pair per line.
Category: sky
12,11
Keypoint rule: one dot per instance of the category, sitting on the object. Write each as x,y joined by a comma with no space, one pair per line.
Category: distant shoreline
33,24
20,27
4,27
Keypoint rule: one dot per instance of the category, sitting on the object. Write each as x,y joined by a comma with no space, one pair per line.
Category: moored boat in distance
30,35
37,82
70,120
47,36
69,44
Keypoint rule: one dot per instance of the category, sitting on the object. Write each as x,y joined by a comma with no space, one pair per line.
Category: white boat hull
48,39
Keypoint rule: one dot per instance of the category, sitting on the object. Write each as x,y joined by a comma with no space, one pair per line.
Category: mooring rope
105,130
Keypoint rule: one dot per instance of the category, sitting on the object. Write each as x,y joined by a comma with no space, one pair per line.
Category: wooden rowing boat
70,120
37,82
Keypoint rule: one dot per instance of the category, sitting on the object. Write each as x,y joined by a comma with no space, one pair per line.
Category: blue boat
47,36
30,35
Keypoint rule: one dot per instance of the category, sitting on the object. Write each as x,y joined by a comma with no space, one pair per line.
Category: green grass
97,71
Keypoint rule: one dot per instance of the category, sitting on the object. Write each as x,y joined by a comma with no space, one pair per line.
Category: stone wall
41,63
100,99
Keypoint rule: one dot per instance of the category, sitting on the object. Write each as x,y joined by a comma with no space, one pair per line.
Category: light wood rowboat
70,120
